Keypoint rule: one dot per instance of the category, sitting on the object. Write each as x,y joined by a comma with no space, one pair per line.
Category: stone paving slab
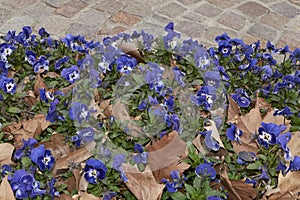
275,20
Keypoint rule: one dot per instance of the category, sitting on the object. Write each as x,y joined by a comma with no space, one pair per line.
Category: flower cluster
23,182
118,105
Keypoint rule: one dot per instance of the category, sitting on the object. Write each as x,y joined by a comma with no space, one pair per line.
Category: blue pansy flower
270,46
94,78
168,39
264,174
142,105
205,170
210,142
224,48
241,97
268,133
289,81
124,36
10,35
3,69
295,164
79,112
212,78
87,63
24,185
234,133
297,77
278,86
104,153
83,136
41,64
107,41
178,76
61,62
109,195
295,55
104,65
223,73
238,42
43,33
25,149
21,183
266,89
152,100
21,39
154,78
71,74
52,114
267,72
8,85
176,183
69,40
171,186
138,148
286,111
283,50
30,57
246,157
52,191
141,156
49,95
5,51
222,37
249,64
125,64
252,181
5,169
33,42
268,57
238,56
204,97
94,170
27,31
42,157
135,35
117,165
36,190
201,58
282,140
218,119
148,40
283,168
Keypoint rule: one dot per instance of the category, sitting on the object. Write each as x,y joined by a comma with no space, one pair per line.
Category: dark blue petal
210,142
36,153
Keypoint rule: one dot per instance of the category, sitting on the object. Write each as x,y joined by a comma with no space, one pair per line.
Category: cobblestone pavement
275,20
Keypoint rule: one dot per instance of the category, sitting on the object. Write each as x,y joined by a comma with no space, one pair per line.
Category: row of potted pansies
123,101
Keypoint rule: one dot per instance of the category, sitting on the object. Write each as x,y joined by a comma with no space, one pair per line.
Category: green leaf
141,167
62,187
1,135
190,189
197,182
263,157
215,193
255,165
13,109
177,196
26,162
129,195
52,84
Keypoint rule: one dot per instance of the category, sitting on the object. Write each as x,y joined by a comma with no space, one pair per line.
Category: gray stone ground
275,20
